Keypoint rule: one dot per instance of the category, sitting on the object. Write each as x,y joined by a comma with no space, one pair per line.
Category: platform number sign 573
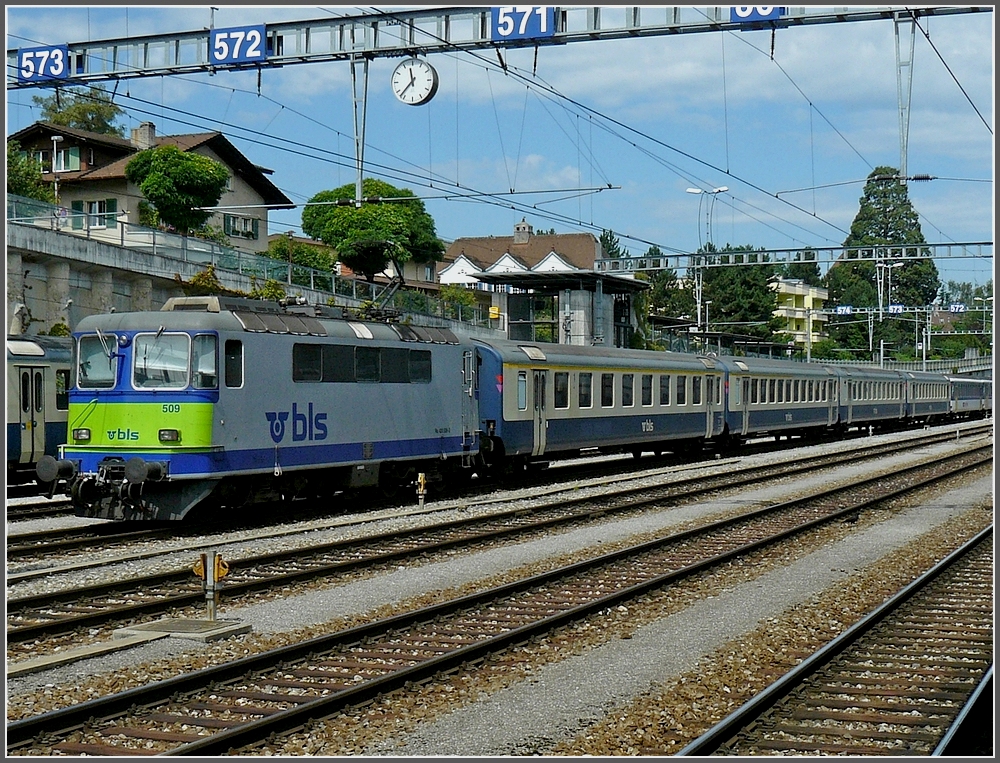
522,22
38,64
235,45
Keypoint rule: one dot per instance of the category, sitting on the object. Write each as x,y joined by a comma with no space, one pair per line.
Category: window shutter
111,218
77,207
73,156
256,228
227,224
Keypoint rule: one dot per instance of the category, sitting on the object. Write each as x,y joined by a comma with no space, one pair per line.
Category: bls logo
311,426
122,434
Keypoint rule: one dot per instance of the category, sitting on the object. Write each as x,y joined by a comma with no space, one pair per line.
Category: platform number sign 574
38,64
522,22
235,45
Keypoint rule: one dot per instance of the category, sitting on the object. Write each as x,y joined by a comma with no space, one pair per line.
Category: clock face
414,81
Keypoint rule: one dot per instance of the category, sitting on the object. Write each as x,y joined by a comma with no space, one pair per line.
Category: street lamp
708,231
883,266
56,140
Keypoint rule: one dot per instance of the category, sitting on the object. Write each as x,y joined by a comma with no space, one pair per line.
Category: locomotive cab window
97,366
204,365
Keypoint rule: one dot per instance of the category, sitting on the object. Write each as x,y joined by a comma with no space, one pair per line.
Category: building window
68,159
241,226
429,273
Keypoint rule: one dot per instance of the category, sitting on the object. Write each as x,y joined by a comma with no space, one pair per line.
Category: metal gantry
408,32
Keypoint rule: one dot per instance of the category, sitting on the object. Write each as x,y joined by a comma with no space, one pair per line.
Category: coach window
561,389
628,389
366,364
695,390
62,389
781,391
770,390
718,390
203,362
647,389
754,386
664,389
307,363
522,390
234,363
420,366
607,390
681,390
586,389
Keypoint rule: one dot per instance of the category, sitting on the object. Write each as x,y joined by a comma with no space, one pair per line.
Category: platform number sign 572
522,22
38,64
237,45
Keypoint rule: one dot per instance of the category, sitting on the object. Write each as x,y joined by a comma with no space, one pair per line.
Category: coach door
469,413
541,423
746,404
31,412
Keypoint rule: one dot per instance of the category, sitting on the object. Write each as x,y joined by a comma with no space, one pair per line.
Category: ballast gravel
587,688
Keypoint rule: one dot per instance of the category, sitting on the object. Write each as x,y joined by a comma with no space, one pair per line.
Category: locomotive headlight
170,435
81,435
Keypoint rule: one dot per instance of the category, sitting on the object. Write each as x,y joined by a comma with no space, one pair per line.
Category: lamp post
708,232
711,209
56,140
984,300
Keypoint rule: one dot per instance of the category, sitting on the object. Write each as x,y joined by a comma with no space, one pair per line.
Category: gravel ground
318,610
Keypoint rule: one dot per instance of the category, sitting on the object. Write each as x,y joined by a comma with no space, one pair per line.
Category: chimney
144,136
522,231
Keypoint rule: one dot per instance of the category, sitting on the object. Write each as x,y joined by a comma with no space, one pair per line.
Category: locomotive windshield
161,361
98,363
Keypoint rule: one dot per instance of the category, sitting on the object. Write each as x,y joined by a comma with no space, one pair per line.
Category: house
88,174
523,252
801,308
544,288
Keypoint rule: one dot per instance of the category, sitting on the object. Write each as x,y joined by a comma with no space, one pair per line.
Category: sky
790,125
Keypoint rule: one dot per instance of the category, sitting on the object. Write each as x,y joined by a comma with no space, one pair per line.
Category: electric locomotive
234,402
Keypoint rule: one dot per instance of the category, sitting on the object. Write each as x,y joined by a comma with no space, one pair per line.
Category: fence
116,231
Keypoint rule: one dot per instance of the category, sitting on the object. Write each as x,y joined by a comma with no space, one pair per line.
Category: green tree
742,296
88,108
368,237
668,296
178,183
611,245
24,176
803,268
287,249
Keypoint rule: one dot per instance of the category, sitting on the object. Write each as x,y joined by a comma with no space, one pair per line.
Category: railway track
62,612
37,509
40,548
231,706
895,683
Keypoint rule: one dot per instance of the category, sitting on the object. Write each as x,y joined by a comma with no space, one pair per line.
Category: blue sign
522,22
956,307
896,309
747,13
39,64
844,309
237,45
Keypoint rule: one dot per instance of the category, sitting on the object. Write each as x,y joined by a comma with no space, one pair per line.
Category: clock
414,81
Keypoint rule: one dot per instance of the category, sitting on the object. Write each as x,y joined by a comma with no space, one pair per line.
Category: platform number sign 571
522,22
38,64
236,45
